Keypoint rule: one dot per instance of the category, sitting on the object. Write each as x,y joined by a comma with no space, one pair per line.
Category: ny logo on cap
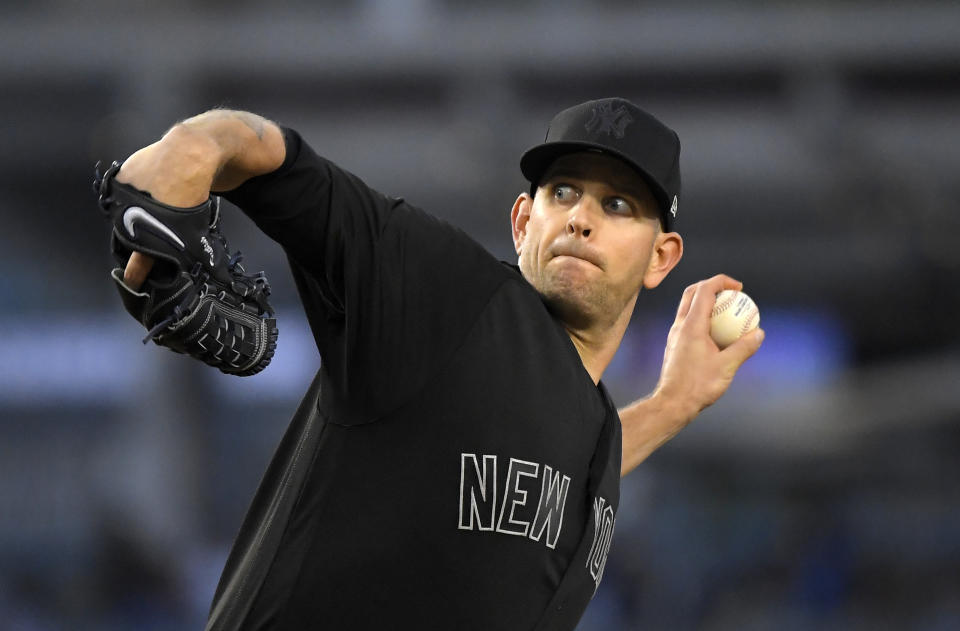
606,120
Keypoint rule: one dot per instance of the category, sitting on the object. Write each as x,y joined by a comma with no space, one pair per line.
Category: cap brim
536,160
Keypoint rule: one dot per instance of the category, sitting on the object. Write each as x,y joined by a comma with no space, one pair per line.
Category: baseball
734,315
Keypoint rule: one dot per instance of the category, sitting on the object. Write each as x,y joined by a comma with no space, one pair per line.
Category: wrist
673,406
177,170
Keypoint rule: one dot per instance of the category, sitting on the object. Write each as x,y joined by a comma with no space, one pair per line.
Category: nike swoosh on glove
197,299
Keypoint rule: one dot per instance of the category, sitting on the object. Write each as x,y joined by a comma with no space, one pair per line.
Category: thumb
744,348
138,267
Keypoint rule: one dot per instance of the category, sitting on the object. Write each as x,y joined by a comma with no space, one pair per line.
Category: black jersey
453,465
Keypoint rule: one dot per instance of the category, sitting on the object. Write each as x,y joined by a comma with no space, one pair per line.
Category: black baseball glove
197,299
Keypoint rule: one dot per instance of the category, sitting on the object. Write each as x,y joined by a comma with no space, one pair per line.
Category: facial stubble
579,301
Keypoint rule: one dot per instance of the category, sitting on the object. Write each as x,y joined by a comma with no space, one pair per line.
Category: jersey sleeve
389,290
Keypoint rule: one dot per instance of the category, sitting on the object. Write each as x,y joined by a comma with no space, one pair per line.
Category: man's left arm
695,374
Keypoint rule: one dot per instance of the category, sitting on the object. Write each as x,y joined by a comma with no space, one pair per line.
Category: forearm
246,145
647,425
214,151
695,374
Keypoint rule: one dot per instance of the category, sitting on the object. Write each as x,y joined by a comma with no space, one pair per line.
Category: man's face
586,239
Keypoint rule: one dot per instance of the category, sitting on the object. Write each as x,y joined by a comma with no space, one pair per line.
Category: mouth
582,253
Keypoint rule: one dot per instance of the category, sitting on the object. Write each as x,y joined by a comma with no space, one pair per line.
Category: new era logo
606,120
673,206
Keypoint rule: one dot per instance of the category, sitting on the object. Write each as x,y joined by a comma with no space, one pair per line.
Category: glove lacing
255,287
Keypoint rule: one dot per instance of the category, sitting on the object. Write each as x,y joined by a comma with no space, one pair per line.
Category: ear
519,217
667,252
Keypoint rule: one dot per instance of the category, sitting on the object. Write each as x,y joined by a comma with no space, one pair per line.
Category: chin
584,305
576,305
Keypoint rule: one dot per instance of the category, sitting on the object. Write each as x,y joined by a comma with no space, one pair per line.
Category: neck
599,343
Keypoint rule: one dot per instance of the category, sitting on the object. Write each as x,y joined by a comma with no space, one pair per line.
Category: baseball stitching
723,306
748,322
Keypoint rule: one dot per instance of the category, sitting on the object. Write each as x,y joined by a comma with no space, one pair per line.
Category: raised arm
215,151
695,374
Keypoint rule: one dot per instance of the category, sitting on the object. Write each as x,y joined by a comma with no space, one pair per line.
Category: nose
582,218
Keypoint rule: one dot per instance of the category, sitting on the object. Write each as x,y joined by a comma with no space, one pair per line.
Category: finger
706,296
685,301
730,282
744,348
138,267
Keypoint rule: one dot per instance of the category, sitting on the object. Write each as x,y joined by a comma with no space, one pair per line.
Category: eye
564,193
618,206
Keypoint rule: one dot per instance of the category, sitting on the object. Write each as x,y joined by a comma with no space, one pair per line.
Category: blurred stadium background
821,143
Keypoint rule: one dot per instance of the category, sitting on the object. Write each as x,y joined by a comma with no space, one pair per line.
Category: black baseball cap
617,127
